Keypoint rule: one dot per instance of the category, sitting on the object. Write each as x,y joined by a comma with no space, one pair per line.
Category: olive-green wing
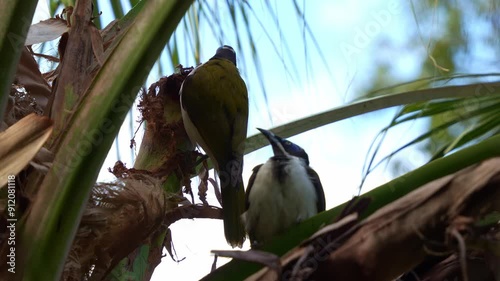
216,100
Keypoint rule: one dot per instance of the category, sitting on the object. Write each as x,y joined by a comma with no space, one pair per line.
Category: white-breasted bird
281,192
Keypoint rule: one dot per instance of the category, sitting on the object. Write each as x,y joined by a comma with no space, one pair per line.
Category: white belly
275,206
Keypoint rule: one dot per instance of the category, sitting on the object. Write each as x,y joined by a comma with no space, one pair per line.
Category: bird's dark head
226,52
283,146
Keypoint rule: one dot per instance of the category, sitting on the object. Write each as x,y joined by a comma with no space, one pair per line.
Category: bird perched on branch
214,103
281,192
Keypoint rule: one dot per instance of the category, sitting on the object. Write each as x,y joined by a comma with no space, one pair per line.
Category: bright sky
347,32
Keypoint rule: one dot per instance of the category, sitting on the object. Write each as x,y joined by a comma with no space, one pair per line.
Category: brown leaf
74,74
97,44
203,186
28,75
394,239
46,30
20,143
294,260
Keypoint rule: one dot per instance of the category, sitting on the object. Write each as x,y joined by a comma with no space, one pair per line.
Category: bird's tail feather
233,206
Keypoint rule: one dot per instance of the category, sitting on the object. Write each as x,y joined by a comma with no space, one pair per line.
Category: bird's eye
288,143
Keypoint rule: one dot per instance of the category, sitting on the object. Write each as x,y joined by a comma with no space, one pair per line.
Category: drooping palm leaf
477,111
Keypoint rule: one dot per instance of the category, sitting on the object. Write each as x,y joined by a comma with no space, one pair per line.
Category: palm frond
477,112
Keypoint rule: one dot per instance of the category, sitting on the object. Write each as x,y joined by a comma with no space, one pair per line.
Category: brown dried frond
20,104
119,217
29,92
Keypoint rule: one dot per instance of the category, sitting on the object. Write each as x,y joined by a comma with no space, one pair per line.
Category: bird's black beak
275,142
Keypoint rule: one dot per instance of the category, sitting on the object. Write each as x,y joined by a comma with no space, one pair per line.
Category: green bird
214,102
